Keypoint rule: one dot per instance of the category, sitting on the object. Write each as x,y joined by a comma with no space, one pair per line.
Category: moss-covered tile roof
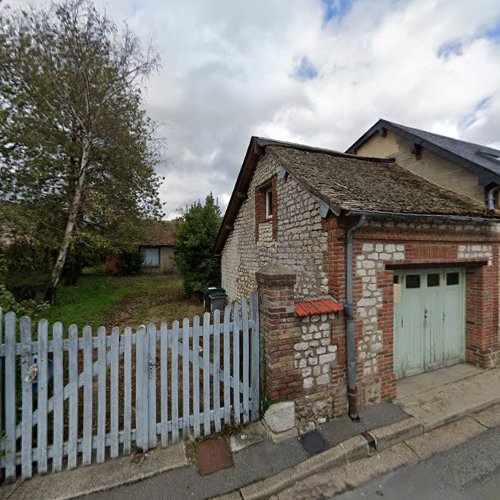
159,233
355,183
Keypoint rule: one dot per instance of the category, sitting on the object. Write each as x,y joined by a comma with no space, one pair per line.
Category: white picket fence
74,398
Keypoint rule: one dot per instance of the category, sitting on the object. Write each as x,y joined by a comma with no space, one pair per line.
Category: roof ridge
442,136
263,141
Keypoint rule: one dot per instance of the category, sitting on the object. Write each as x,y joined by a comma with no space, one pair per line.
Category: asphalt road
470,471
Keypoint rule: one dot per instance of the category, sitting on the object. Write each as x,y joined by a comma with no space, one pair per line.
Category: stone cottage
367,273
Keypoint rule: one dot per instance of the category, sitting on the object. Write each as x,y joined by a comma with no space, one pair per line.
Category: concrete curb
348,451
389,435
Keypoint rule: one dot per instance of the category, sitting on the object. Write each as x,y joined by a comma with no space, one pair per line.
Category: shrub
27,285
195,237
130,262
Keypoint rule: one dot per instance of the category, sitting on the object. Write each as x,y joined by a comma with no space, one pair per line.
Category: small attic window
417,151
269,202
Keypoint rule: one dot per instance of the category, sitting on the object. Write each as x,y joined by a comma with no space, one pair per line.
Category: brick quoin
280,331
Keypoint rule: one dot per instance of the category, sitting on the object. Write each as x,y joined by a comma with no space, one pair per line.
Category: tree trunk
73,213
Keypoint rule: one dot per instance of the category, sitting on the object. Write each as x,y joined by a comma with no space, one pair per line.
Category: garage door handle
425,313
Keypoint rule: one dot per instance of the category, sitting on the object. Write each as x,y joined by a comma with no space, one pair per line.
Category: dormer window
269,203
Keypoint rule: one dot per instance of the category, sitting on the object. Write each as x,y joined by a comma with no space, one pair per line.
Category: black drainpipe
352,390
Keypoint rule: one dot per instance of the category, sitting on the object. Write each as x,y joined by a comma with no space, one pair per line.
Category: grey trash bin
214,298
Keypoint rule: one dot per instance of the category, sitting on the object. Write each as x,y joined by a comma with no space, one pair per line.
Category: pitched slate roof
353,183
160,233
482,160
347,183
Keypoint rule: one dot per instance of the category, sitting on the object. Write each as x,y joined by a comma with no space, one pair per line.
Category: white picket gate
77,398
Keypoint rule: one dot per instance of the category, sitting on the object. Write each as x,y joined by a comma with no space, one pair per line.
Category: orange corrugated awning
315,307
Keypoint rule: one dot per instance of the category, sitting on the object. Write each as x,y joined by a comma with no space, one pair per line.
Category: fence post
141,389
151,332
58,423
88,378
206,374
2,375
27,397
280,330
236,362
255,358
185,378
73,396
246,361
10,396
101,394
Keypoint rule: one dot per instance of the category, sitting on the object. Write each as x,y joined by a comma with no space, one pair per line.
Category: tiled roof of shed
354,183
314,307
160,233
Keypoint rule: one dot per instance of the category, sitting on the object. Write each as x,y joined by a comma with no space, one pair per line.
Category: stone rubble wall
315,357
299,244
368,263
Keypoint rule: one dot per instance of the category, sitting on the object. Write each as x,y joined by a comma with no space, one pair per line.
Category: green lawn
122,301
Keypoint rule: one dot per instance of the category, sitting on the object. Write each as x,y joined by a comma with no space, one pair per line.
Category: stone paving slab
340,429
490,417
251,434
412,386
445,437
449,402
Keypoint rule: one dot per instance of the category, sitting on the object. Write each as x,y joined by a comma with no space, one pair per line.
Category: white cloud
229,71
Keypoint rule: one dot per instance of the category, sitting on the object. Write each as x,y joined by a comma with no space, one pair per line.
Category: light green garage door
429,319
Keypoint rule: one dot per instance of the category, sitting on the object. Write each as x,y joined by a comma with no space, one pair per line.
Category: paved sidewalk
366,478
251,463
262,467
450,401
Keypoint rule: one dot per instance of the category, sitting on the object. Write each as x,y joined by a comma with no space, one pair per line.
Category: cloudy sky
318,72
